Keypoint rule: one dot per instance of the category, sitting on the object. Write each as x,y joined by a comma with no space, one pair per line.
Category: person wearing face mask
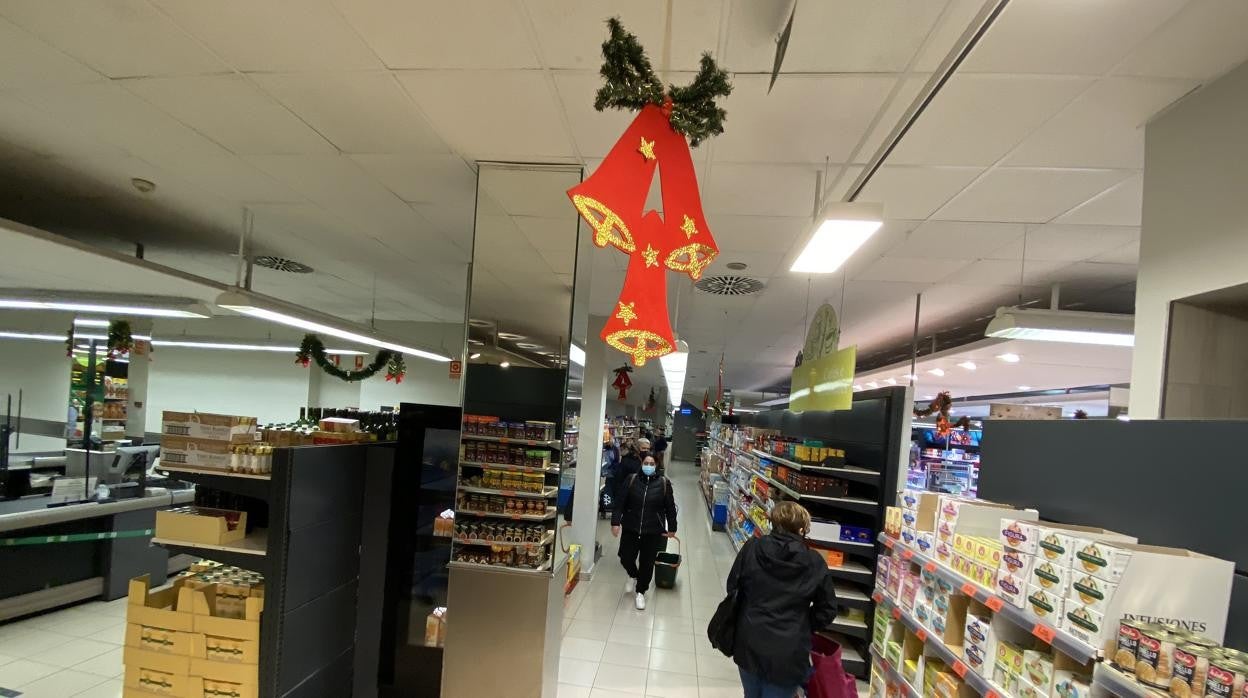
630,465
643,519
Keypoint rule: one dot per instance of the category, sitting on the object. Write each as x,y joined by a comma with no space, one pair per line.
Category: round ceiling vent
737,266
281,264
730,285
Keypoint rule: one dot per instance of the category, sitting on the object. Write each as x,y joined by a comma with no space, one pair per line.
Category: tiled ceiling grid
349,128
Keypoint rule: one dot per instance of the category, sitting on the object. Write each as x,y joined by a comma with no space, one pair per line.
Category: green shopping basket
665,566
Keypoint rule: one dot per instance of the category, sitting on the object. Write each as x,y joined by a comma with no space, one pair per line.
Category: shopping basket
665,566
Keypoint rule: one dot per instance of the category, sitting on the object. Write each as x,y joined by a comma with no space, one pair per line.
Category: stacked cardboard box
202,440
193,639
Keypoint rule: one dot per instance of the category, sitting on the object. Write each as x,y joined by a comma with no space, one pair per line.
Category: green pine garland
632,84
312,349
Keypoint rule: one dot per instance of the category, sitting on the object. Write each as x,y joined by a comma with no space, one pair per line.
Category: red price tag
896,613
888,543
969,589
994,602
907,554
959,668
930,567
922,635
1044,632
877,597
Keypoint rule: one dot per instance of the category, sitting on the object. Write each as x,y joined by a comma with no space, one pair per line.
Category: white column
136,383
589,449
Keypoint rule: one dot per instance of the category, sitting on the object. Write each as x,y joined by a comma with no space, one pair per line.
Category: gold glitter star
646,149
689,227
652,256
626,312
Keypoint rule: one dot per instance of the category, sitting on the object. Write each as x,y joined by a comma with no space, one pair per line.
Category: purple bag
828,678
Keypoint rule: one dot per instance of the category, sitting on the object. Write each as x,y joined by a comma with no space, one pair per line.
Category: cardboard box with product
196,453
202,426
201,525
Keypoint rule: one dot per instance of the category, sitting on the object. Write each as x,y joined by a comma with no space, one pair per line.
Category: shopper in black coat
644,518
630,464
784,592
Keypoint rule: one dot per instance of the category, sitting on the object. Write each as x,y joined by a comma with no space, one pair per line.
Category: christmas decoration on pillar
120,340
622,382
612,200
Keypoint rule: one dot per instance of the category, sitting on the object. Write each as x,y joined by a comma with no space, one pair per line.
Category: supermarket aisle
611,650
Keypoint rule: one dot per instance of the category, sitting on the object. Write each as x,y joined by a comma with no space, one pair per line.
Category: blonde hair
790,517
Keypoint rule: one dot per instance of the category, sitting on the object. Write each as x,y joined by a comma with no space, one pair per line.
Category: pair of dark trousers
637,553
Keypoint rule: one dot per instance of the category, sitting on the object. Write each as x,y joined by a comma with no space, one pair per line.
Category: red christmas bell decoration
622,382
639,325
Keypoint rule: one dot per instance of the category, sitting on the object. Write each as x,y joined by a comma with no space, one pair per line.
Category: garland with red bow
313,349
941,406
622,382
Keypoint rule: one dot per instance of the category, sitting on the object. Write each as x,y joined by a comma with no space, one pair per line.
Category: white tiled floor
75,652
611,650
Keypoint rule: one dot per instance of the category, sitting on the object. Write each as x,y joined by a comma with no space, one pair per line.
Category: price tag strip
1063,642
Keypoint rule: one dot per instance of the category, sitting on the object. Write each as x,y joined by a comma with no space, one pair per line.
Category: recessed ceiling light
929,397
938,372
873,385
1010,358
480,323
504,364
891,381
910,377
510,336
968,365
528,345
857,388
475,355
1024,388
90,322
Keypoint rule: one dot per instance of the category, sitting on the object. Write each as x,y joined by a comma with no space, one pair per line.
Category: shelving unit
309,556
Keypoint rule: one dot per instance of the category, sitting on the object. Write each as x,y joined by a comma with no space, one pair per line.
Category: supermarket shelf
896,675
1062,641
850,595
851,627
551,513
546,493
850,655
852,546
546,540
540,571
213,472
1119,684
866,506
978,683
554,443
248,553
508,466
851,570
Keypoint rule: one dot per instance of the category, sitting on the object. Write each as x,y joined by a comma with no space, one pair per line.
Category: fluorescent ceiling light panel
968,365
259,307
1024,388
1073,326
505,364
90,322
873,385
32,335
674,366
1010,358
844,228
774,402
195,344
938,372
104,303
891,381
475,355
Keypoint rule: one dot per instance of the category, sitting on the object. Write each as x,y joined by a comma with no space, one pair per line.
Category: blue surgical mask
647,469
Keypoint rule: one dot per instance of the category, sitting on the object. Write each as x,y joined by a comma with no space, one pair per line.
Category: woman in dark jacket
645,515
784,592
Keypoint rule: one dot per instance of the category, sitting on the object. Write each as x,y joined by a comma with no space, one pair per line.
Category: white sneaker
640,602
630,586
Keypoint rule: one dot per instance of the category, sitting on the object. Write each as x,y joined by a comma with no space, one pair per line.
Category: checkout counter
54,552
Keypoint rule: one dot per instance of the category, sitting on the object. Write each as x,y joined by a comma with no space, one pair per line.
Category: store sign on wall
457,369
824,377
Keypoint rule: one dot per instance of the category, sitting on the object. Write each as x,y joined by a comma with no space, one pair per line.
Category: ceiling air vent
730,285
281,264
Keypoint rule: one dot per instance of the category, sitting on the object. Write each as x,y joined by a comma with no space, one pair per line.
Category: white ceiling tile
741,236
465,34
842,182
1122,205
759,190
806,118
570,35
976,119
829,37
549,235
1103,127
912,270
274,35
359,112
26,61
426,178
532,191
916,192
46,133
1203,41
1028,195
120,38
1127,254
492,115
1006,272
594,132
957,239
1066,243
905,90
233,112
957,17
1067,37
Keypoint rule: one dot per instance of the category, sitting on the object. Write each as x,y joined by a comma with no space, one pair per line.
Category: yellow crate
151,639
168,608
